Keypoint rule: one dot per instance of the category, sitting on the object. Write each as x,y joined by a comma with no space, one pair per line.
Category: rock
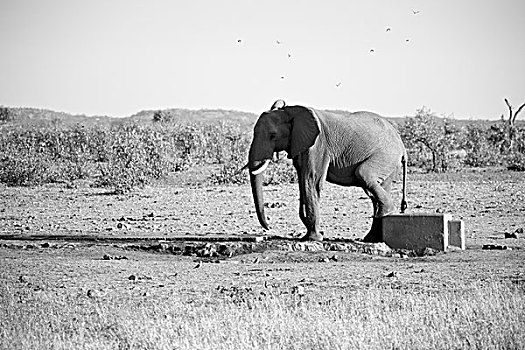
298,247
132,278
325,259
375,249
339,247
427,252
391,274
299,290
224,250
313,246
45,245
514,234
122,226
23,279
334,258
197,266
494,247
92,293
118,257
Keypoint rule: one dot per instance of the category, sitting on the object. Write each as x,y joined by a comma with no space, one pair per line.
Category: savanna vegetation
479,317
38,146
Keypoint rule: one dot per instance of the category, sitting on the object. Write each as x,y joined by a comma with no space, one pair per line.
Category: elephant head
293,129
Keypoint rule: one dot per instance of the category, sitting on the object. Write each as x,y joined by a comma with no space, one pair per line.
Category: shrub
426,132
136,154
480,150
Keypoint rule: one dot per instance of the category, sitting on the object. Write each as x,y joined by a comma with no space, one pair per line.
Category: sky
459,58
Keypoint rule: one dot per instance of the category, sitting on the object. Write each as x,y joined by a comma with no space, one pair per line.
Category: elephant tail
404,197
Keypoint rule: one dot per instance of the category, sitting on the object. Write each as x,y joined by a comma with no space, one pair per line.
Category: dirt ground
490,203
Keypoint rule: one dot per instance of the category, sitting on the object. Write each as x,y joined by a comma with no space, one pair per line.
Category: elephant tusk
262,168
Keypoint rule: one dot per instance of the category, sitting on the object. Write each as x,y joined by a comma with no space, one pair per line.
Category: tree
509,127
513,115
5,114
438,135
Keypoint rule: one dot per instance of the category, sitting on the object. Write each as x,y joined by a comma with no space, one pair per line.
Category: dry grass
478,317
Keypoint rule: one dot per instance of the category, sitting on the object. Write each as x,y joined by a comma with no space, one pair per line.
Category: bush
137,154
427,134
24,170
481,151
127,154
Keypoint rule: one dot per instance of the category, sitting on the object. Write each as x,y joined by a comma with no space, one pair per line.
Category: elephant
361,149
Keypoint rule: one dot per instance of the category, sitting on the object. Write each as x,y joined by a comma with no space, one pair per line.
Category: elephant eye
273,136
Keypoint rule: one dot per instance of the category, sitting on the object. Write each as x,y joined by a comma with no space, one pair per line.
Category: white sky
104,57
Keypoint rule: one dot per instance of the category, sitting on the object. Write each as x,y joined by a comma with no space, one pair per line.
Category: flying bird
372,50
415,12
278,42
239,41
289,55
282,76
388,29
407,40
338,84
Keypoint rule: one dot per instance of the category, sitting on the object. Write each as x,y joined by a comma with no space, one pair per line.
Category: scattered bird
338,84
372,50
388,29
278,42
282,77
289,55
415,12
239,41
407,40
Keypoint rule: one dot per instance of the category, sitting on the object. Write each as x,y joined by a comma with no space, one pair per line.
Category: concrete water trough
421,230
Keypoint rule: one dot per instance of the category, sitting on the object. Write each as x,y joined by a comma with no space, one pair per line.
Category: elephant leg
379,193
310,184
374,185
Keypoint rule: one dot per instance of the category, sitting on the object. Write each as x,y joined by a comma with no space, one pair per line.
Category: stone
313,246
23,279
416,231
122,226
513,235
456,234
494,247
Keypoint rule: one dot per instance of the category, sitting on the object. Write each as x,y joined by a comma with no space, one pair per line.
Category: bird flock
371,51
388,29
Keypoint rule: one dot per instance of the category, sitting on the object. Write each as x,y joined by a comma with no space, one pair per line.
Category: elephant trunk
256,182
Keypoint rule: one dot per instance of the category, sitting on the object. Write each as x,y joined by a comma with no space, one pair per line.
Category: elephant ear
305,129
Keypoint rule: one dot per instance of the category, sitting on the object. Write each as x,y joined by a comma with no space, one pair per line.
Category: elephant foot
311,236
375,235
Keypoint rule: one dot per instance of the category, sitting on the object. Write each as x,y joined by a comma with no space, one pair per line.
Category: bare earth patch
104,294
